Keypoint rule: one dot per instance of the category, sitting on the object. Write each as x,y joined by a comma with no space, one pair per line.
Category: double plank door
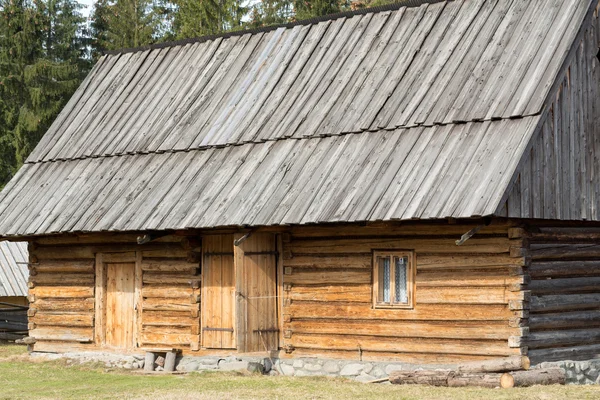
239,297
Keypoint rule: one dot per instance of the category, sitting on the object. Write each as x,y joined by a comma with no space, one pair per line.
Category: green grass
22,378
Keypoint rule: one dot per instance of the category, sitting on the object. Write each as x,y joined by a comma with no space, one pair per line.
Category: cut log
447,378
549,376
170,358
429,378
507,364
149,361
486,380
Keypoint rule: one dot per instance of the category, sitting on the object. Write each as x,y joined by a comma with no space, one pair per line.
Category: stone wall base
578,372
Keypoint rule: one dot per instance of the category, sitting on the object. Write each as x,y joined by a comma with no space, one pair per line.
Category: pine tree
306,9
194,18
42,61
20,45
120,24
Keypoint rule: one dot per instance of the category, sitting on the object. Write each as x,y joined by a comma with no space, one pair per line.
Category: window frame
410,279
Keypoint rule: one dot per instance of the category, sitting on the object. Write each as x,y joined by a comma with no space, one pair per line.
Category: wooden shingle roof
413,112
13,269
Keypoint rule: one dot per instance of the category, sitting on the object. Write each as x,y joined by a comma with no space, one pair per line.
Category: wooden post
149,363
170,361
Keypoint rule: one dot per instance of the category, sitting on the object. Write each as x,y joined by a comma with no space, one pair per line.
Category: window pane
384,280
401,280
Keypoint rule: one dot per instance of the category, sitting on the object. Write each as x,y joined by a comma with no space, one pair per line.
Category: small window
393,279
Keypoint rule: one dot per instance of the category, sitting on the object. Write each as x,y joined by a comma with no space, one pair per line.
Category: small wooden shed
13,289
417,182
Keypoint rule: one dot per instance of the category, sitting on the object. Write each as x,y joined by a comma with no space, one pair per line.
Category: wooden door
120,305
118,296
256,273
218,293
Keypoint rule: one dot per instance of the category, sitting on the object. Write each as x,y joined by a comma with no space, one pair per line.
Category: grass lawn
21,378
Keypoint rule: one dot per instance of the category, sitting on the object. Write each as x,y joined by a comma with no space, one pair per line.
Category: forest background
47,47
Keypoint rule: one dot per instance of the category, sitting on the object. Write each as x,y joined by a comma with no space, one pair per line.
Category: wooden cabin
13,290
414,182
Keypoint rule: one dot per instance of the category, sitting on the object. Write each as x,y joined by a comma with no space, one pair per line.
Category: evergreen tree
120,24
42,61
20,45
195,18
306,9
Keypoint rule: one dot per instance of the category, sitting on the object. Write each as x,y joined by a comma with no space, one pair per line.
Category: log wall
62,291
564,269
469,298
558,176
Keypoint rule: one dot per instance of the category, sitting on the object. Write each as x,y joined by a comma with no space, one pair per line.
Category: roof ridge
278,139
330,17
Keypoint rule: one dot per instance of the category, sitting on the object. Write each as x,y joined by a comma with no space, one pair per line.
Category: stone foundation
578,372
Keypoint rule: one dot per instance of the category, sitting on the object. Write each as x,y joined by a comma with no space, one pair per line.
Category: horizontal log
123,257
564,251
169,279
563,320
65,334
169,266
424,245
168,340
414,329
330,276
63,291
550,376
64,319
433,312
514,363
64,305
151,250
566,268
575,353
566,285
564,302
326,293
100,238
168,292
564,338
421,377
63,279
474,379
465,295
468,261
472,278
159,304
395,229
44,346
168,318
582,236
420,345
166,330
66,266
380,356
333,262
169,251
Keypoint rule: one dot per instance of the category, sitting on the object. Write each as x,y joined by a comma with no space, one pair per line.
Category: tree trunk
550,376
507,364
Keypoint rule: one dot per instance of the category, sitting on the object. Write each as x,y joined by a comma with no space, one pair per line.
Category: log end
525,363
507,381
